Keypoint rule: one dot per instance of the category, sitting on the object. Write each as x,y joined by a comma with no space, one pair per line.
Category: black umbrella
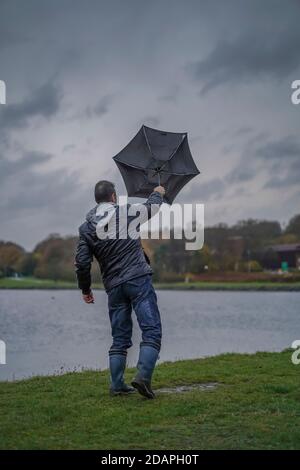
155,157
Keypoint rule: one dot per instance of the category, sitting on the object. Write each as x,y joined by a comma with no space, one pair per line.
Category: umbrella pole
158,174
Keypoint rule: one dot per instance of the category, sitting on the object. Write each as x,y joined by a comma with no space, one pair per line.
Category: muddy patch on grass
204,387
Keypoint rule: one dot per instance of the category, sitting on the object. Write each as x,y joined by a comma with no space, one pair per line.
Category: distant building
289,254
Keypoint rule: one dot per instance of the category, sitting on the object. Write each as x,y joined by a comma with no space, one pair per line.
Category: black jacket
120,259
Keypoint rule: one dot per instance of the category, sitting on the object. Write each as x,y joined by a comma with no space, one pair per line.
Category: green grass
255,406
240,286
33,283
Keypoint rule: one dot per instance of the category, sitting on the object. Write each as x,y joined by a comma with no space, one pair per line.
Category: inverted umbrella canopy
154,157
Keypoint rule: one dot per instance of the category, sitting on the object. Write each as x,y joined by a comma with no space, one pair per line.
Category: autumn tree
10,255
293,226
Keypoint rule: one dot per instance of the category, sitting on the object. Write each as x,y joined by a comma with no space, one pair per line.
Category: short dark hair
104,191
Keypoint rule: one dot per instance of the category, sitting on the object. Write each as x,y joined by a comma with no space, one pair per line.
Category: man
126,276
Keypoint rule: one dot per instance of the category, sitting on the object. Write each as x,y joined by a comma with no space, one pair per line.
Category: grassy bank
33,283
232,286
255,406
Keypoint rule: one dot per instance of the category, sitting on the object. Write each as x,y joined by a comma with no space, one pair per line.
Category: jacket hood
101,214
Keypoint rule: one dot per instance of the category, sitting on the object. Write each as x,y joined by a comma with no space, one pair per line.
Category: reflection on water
48,331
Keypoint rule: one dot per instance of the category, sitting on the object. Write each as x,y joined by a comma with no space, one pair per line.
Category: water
49,332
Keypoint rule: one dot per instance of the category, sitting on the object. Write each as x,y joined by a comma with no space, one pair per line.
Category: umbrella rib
172,154
147,142
180,143
130,164
179,174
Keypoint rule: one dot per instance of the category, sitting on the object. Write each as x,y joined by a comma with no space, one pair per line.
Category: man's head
105,192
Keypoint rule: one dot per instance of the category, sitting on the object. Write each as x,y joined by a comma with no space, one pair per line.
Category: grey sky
82,76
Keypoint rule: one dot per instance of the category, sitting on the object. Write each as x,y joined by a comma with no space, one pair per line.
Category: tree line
240,247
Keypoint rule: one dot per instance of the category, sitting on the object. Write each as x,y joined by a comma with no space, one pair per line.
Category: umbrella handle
158,175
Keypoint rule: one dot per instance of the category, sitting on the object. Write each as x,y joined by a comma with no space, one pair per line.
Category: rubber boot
117,364
146,363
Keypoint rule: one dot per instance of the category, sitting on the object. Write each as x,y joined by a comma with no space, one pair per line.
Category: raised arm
149,208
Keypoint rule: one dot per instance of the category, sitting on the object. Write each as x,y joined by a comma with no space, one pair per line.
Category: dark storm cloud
199,192
249,57
9,38
101,107
278,159
23,187
43,102
36,190
139,50
149,121
14,168
282,161
286,178
68,147
243,131
171,96
284,150
241,174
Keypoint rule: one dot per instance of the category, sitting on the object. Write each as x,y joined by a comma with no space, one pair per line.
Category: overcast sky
82,76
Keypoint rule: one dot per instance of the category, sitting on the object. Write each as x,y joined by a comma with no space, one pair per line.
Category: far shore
33,283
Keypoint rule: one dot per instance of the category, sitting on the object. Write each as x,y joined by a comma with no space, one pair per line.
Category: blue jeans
137,294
